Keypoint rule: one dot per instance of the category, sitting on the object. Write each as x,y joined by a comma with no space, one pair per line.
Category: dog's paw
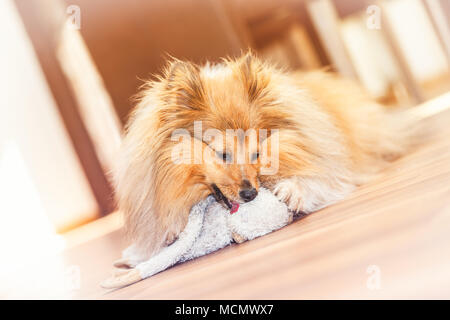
125,263
171,238
131,257
291,217
303,196
238,238
289,192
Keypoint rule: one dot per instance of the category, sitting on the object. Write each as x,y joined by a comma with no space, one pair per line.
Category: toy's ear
121,278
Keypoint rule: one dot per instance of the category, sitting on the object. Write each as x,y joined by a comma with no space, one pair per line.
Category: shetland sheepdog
323,136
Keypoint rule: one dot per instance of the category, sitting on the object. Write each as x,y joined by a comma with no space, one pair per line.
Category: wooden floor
390,239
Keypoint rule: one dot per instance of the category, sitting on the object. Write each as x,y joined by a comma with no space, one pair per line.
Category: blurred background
70,68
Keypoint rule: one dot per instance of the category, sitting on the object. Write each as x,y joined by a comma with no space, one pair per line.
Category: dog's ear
184,84
252,72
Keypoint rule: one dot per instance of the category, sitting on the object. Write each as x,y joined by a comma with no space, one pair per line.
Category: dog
328,133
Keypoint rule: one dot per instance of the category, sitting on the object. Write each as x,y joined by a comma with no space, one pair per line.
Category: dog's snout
248,194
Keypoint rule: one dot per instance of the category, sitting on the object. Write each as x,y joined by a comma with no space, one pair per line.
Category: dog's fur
332,136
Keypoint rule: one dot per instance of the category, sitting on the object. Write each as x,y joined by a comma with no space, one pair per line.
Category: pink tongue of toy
234,207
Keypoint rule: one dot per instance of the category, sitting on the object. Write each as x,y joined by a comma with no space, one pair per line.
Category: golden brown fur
332,136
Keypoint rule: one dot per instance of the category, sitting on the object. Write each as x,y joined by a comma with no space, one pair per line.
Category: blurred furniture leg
436,10
326,21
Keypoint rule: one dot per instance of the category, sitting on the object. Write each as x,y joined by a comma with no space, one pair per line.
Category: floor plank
397,226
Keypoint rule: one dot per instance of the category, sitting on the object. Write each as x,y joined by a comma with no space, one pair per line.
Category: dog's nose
248,194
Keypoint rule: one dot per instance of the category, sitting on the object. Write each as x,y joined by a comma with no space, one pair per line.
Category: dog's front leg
176,217
305,195
131,257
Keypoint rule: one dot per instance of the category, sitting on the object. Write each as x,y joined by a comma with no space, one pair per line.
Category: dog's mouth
219,196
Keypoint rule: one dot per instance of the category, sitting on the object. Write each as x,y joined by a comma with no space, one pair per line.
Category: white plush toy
210,227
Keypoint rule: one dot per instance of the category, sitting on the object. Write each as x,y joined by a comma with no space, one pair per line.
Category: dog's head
231,168
226,109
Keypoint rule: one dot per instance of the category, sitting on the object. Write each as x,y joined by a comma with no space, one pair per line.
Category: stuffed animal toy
210,227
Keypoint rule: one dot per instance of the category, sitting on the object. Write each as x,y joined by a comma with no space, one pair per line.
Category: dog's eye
225,156
255,156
